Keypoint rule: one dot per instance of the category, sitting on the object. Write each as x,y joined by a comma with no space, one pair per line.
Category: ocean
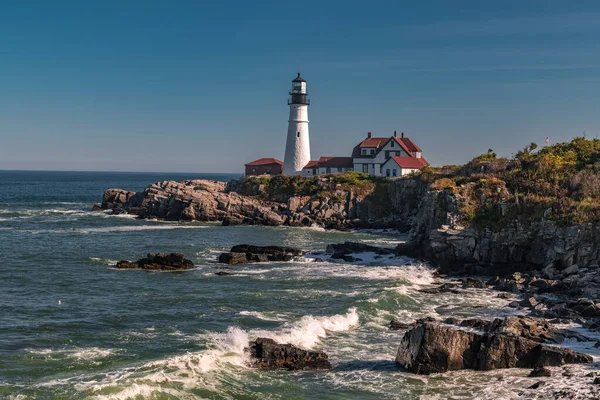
74,327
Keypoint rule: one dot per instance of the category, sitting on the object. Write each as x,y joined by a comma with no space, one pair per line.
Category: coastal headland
528,225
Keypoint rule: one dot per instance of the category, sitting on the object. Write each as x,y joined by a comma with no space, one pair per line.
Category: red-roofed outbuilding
264,166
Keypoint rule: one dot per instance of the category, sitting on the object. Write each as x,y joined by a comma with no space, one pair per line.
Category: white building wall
297,148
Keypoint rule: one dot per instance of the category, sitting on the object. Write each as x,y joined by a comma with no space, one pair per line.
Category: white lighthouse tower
297,148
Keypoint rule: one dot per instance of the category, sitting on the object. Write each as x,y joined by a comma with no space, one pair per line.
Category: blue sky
201,86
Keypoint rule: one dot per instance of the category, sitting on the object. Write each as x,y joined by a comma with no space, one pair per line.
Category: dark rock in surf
115,199
160,262
266,353
431,348
341,250
538,372
244,253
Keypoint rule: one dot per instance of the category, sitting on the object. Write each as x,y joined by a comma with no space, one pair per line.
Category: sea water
74,327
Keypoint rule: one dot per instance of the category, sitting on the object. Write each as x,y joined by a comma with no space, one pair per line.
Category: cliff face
381,205
432,217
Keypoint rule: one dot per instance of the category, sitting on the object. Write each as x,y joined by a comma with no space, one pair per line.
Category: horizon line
120,171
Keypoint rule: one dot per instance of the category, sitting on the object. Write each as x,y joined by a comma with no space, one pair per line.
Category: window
365,167
395,172
297,134
253,170
387,154
392,143
372,152
363,152
387,172
328,170
397,153
268,171
340,169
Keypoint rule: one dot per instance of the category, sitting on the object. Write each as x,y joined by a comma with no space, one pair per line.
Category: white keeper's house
378,156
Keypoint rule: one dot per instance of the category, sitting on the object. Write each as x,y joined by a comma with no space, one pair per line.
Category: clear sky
201,86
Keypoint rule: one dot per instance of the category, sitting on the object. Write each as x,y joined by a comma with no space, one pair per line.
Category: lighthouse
297,148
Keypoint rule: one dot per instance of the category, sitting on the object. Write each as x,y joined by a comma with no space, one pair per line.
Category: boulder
115,198
233,258
343,249
431,348
244,253
127,265
159,261
396,325
533,328
266,353
539,372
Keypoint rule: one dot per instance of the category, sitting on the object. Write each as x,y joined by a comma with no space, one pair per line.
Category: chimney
369,135
395,134
402,135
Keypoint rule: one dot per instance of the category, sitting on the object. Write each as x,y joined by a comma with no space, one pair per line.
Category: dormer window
372,152
363,152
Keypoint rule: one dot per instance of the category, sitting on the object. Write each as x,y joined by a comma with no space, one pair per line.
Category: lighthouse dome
299,78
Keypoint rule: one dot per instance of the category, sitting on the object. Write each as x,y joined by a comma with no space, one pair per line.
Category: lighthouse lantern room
297,148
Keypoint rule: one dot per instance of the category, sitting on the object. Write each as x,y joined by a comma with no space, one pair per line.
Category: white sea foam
265,316
76,353
309,330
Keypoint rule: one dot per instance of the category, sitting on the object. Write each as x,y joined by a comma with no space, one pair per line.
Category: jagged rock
244,248
343,249
475,323
266,353
232,258
431,348
536,329
244,253
127,265
444,288
540,372
474,283
396,325
537,385
159,261
115,198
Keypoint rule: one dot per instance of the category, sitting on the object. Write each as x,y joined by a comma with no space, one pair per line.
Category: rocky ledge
431,347
244,253
266,353
159,261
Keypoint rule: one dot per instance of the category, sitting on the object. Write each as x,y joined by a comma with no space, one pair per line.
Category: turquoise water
73,327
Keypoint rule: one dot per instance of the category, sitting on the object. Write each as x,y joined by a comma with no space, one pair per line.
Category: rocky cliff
327,204
433,218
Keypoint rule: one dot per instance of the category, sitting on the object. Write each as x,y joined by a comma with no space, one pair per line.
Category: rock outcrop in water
244,253
432,348
159,261
266,353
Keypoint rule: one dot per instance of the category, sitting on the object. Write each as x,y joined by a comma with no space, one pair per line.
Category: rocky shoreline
554,269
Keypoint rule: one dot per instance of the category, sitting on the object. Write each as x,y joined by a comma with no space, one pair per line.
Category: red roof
265,161
312,164
337,162
410,162
405,143
331,162
410,144
374,142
